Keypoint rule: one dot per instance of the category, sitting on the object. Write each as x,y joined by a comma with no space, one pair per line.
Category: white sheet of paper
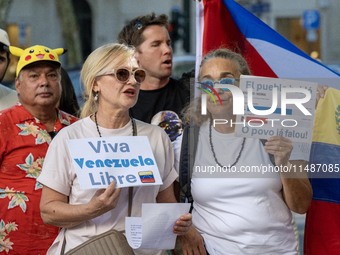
154,230
128,160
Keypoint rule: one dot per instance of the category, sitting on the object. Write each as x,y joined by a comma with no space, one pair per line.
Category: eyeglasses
207,84
123,74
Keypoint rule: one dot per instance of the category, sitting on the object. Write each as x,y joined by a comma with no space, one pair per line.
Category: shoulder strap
187,160
130,201
134,133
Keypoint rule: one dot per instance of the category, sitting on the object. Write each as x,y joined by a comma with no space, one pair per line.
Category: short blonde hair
101,61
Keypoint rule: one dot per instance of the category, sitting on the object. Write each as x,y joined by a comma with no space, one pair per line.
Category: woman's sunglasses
123,74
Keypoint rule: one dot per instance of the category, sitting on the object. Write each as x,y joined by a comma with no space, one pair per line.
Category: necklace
214,154
134,128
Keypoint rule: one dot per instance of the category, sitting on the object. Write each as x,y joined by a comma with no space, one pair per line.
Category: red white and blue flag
225,23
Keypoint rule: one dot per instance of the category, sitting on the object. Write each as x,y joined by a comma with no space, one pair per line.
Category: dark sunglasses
123,74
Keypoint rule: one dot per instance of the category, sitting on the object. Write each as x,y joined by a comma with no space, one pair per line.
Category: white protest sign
277,107
127,160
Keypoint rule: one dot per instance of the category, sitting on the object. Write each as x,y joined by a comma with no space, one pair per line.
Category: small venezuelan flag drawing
146,177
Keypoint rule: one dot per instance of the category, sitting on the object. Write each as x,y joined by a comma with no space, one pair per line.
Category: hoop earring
96,97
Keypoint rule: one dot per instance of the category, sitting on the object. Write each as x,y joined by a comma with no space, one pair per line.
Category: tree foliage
70,32
4,9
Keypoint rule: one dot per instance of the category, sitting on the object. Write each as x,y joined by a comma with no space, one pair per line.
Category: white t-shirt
58,173
235,212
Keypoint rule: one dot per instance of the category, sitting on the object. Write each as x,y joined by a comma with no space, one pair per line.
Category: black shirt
172,97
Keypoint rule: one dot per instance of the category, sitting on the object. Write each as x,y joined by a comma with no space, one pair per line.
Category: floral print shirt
23,145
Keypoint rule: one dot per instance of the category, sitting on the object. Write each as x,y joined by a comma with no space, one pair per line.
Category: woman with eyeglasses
112,78
235,212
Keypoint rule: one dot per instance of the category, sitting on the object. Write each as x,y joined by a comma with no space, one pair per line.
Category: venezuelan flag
146,176
322,229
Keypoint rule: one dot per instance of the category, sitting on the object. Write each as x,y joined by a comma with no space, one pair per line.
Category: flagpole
199,40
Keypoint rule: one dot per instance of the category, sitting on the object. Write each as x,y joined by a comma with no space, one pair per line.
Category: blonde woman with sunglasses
112,79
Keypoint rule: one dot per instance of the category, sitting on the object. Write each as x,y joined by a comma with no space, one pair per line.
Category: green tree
70,32
4,9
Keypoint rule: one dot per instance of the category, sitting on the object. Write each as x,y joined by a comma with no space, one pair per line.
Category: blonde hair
101,61
192,113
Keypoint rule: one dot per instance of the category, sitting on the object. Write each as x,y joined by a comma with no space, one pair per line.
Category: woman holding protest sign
111,78
237,211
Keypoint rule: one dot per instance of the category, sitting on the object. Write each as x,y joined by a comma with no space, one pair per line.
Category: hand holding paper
155,229
183,224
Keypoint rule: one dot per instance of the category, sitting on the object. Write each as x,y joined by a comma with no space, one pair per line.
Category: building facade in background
311,25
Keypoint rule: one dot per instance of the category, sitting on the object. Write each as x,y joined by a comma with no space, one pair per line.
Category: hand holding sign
105,200
280,147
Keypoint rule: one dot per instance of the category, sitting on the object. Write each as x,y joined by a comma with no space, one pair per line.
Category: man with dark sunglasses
159,92
8,97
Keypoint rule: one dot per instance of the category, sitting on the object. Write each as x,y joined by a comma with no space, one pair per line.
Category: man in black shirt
161,98
149,35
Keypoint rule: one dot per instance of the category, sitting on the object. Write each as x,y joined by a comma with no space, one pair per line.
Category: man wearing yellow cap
26,129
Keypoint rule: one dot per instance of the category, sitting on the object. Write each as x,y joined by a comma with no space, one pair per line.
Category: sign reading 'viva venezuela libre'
127,160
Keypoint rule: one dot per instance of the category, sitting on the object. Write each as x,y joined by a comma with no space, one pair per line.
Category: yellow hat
34,54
